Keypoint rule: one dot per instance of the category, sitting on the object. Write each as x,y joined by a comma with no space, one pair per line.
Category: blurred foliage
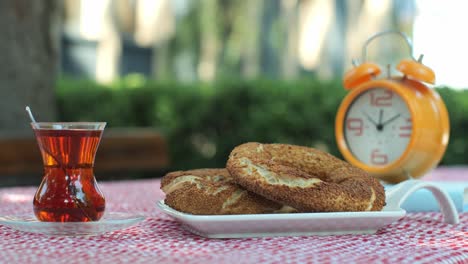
457,106
203,122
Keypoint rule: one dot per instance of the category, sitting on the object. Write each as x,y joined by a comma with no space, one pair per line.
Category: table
417,238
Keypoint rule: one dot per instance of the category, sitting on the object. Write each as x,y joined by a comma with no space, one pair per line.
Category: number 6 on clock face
377,127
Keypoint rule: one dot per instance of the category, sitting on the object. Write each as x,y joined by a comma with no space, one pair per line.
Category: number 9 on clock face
377,127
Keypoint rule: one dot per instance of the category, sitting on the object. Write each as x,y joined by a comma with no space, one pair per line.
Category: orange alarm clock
394,127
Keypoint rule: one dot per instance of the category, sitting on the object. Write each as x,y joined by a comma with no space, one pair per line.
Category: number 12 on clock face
377,127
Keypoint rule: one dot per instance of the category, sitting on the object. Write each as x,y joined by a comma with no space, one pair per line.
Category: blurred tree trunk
28,55
209,39
270,64
251,37
289,16
156,28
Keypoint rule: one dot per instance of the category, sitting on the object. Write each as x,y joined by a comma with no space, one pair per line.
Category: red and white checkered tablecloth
417,238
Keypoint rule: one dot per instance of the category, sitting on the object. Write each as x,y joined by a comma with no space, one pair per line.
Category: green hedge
202,122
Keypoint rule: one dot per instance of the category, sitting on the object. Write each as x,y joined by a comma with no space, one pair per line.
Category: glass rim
69,125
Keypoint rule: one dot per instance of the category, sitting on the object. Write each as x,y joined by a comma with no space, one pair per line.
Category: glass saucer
109,222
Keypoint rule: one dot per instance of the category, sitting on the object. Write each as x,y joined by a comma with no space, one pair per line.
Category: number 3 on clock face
377,127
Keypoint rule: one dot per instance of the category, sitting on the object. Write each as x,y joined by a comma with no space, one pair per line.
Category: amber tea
68,191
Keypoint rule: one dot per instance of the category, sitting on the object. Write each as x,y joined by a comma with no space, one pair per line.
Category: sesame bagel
211,192
307,179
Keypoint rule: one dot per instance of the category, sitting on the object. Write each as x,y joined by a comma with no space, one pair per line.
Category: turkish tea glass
68,191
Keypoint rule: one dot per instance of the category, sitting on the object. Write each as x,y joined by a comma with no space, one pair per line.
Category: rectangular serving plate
292,224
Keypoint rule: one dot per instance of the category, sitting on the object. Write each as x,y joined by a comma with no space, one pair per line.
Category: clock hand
370,119
380,116
390,120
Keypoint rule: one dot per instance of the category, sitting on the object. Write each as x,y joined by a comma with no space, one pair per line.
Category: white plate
109,222
261,225
303,224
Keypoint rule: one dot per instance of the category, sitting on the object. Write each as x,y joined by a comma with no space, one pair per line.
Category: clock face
378,127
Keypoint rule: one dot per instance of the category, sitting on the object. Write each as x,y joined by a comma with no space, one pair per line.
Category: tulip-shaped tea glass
68,191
